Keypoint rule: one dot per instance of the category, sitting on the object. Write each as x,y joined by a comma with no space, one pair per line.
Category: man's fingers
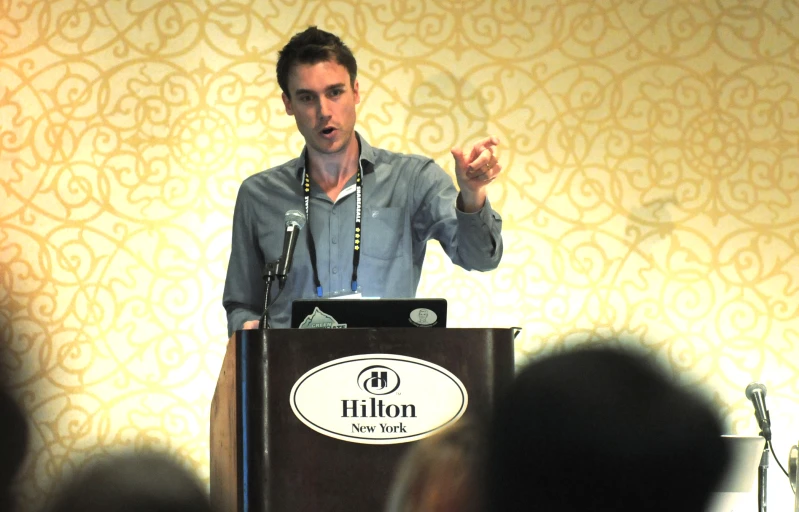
251,324
460,160
489,143
489,175
481,164
479,147
485,161
495,172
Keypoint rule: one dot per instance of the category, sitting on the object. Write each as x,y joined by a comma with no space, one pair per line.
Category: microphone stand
270,274
793,472
762,471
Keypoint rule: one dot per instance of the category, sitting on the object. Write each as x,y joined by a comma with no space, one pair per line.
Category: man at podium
368,212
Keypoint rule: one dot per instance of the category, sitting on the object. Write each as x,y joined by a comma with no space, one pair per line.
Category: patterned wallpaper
651,190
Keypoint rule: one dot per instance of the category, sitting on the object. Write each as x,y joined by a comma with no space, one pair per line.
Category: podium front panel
292,468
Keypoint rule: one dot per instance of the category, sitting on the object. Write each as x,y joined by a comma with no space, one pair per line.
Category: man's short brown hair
312,46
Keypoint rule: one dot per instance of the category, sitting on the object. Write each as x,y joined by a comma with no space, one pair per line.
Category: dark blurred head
599,429
13,443
145,482
312,46
440,473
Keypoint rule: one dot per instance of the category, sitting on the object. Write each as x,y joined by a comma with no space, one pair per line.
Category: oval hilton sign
378,398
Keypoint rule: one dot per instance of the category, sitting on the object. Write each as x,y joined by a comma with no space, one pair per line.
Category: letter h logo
379,380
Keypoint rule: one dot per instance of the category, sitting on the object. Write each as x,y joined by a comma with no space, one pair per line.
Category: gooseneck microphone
295,221
756,392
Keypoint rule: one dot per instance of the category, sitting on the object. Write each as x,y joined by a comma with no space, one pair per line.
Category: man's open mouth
327,131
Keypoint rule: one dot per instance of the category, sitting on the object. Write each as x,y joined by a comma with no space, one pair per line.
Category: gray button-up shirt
407,200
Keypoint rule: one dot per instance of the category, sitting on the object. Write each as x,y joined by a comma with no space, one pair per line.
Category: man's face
323,104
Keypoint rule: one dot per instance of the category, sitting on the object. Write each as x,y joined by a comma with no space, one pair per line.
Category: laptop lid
349,313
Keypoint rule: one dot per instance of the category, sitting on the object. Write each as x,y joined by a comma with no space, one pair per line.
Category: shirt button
334,241
333,213
335,270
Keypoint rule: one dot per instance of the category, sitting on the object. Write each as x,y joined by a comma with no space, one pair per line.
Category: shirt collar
367,158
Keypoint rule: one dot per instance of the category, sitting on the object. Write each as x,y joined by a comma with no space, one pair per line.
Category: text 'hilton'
375,408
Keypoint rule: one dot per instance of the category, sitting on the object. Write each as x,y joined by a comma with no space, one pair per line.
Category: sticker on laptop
320,320
423,317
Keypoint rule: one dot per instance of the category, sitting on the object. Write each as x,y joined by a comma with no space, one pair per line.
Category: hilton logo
378,380
360,398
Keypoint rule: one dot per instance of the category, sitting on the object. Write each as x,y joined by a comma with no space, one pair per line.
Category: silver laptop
737,492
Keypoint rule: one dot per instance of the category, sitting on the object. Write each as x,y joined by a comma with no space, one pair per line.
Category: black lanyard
356,251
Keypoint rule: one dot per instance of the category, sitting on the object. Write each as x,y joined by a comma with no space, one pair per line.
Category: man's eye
336,92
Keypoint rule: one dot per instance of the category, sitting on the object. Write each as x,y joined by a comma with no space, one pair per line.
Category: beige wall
652,189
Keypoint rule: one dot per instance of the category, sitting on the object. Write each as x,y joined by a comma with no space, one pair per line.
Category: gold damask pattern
652,189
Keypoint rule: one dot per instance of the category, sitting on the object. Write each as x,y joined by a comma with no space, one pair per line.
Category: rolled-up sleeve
480,238
244,289
471,240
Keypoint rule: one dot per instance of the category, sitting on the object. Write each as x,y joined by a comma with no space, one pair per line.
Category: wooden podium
265,459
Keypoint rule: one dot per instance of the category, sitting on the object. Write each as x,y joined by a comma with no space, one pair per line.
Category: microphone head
295,218
753,387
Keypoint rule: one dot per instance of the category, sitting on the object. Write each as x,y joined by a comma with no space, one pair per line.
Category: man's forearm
471,202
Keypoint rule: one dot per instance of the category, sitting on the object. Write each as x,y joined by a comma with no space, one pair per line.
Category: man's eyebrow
328,88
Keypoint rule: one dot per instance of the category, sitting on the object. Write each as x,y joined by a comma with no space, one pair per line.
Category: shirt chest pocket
382,231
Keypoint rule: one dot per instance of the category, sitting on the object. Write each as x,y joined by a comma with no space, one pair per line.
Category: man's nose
324,108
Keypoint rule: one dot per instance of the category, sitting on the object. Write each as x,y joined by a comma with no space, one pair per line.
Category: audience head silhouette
147,482
440,473
13,442
599,429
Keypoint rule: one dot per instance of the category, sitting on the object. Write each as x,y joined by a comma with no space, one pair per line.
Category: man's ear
287,104
356,92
